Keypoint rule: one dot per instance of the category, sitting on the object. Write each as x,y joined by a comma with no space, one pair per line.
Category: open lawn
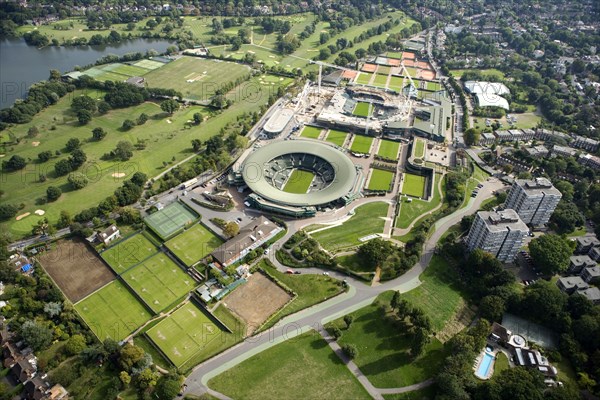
112,311
458,73
361,144
169,220
196,78
380,179
364,78
384,348
336,137
388,149
299,181
417,208
310,289
427,393
367,219
311,132
438,295
353,263
194,244
419,147
396,83
304,367
159,282
380,80
362,109
129,252
414,185
190,333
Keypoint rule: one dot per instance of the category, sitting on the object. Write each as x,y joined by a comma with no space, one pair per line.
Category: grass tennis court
130,70
170,219
336,137
148,64
384,70
187,332
414,185
380,179
388,149
112,311
311,132
396,83
194,244
361,144
128,252
299,181
380,80
419,148
362,109
364,78
159,281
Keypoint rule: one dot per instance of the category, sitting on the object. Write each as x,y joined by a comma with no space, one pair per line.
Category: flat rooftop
498,221
538,186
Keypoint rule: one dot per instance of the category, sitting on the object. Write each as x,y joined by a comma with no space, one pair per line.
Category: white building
500,233
534,200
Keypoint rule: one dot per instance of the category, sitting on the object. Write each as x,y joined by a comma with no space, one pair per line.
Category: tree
53,193
15,163
472,136
196,145
395,302
78,180
7,211
77,159
98,133
142,119
567,190
350,350
103,107
124,150
169,106
72,144
130,26
75,345
336,332
492,308
231,229
129,356
550,253
198,118
125,378
146,379
566,217
37,336
151,24
64,220
84,116
128,124
45,156
348,319
375,252
167,387
84,103
33,132
53,309
62,167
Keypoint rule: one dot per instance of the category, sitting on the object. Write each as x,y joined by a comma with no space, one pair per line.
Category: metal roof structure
253,172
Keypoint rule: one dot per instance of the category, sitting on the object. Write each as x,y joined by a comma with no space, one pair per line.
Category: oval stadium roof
253,170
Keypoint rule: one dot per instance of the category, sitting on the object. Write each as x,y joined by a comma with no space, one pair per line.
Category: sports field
194,244
388,149
170,219
362,109
364,78
196,78
299,181
380,179
380,80
112,311
184,333
414,185
419,148
361,144
396,83
128,252
336,137
311,132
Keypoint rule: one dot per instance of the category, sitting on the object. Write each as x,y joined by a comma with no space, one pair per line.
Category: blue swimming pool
484,366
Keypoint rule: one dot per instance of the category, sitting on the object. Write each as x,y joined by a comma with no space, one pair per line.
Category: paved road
359,295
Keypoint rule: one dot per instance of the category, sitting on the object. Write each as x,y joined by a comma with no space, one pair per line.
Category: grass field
129,252
299,181
194,244
362,109
112,311
380,179
364,78
361,144
417,208
367,219
188,333
419,148
336,137
170,219
159,281
388,149
396,83
384,348
196,78
311,132
458,73
384,70
380,80
303,367
414,185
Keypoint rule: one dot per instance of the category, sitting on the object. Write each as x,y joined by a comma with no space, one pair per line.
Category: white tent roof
476,87
491,100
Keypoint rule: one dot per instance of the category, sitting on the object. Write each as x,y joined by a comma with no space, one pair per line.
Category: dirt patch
20,217
459,321
257,300
39,212
118,174
75,268
35,144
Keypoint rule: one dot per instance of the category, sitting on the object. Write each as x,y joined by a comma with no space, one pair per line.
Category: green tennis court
194,244
170,219
128,252
414,185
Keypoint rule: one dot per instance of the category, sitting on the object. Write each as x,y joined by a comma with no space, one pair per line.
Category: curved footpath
359,295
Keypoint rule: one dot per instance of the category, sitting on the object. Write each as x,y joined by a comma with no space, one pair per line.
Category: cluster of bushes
303,251
455,188
392,260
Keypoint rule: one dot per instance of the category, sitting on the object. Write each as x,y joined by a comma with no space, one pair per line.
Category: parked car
289,271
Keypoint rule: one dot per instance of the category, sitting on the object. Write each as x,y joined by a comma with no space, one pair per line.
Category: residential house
578,263
585,244
109,234
570,284
591,293
591,274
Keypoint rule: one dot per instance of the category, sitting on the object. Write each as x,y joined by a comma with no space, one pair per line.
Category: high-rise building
533,199
500,233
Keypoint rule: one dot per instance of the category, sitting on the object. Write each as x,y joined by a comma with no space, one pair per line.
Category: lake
22,65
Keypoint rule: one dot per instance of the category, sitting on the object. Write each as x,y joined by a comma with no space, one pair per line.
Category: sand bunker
35,144
20,217
40,212
169,121
118,174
